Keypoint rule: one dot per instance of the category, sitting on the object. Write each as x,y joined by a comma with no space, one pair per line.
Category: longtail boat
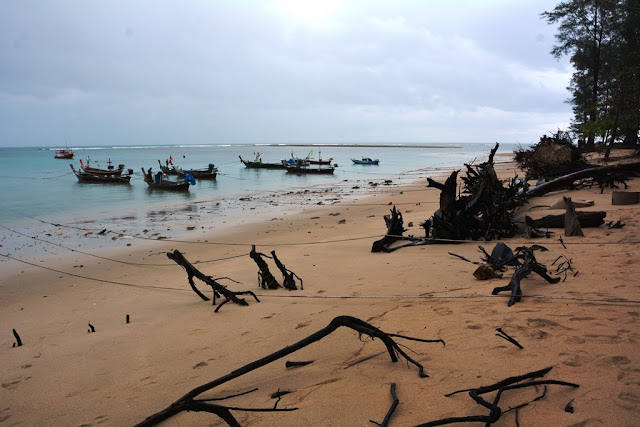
158,182
97,171
259,164
169,169
84,176
300,168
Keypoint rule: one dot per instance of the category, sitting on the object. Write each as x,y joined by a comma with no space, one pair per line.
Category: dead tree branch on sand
188,402
395,229
287,275
218,289
528,264
265,278
496,412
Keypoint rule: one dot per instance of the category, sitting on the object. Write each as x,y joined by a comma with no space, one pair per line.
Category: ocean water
36,188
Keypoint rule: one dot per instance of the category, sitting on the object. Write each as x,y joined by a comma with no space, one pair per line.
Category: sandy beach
586,327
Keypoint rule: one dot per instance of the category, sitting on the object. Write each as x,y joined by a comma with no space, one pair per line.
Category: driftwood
188,402
288,280
18,342
528,264
483,211
265,278
218,289
587,219
567,181
392,408
395,231
495,412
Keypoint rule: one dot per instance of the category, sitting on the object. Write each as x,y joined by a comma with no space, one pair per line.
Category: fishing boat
169,169
158,182
207,173
320,160
365,161
300,168
64,153
257,163
97,171
84,176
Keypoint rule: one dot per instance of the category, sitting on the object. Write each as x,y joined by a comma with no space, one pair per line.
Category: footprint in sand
303,324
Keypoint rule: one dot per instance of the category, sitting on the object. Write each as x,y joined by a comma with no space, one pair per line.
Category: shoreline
124,372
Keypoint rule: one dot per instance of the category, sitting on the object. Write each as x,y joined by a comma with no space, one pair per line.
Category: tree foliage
602,38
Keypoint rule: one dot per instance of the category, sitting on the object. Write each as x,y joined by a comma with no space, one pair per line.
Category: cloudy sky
281,71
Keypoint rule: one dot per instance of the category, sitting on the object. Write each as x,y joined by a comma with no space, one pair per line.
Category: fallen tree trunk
587,219
218,289
567,181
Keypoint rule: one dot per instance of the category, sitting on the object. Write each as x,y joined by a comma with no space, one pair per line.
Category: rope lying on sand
477,296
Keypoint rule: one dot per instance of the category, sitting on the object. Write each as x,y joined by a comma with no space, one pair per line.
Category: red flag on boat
170,160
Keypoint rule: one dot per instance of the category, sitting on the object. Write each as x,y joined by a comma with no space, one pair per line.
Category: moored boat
207,173
259,164
97,171
170,168
64,153
158,182
301,169
365,161
84,176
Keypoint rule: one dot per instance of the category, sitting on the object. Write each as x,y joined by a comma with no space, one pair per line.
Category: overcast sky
289,71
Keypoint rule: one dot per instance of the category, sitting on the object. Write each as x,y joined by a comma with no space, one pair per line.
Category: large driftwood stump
218,289
265,278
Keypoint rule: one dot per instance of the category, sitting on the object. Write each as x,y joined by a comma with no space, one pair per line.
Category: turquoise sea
36,188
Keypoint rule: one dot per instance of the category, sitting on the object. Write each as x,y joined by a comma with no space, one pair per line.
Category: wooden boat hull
84,176
320,162
165,184
309,170
261,165
198,174
97,171
64,154
168,170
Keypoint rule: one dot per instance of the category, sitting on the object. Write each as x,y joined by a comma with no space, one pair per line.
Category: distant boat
97,171
64,153
159,183
84,176
366,161
259,164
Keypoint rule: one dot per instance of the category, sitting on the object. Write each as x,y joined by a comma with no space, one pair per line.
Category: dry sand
585,327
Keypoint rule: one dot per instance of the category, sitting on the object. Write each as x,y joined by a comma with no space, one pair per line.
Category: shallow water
38,190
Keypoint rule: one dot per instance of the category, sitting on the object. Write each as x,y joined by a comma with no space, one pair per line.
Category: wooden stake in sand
19,341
